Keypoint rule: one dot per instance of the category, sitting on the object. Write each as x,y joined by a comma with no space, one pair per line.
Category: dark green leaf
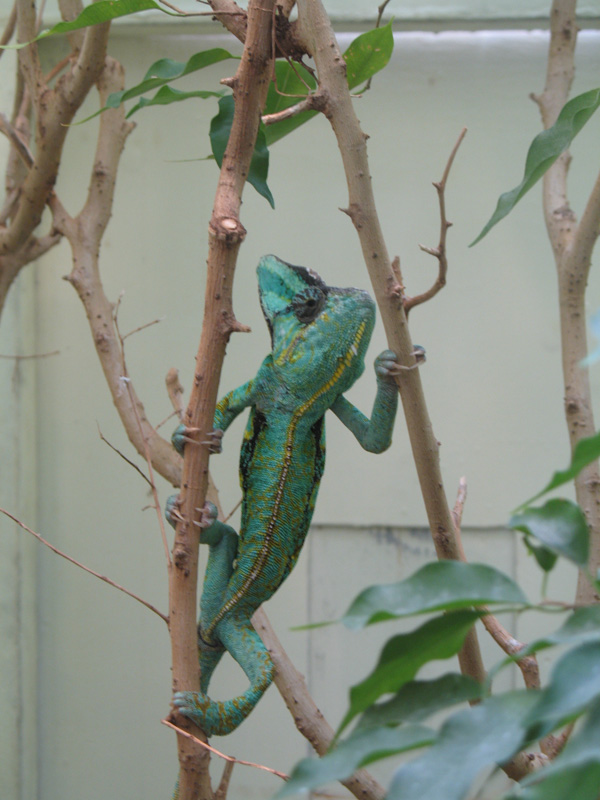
576,771
586,451
491,732
220,128
403,656
545,149
368,53
440,585
574,685
103,11
418,700
361,748
166,95
164,71
560,526
579,781
544,557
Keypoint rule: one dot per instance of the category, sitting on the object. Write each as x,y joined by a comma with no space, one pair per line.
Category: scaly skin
319,336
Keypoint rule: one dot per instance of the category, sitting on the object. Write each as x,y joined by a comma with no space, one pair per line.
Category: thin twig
34,355
218,753
233,510
11,134
142,327
511,646
83,567
9,30
309,103
151,480
223,786
438,252
123,456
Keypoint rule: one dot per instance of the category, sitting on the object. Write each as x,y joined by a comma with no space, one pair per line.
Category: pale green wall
492,380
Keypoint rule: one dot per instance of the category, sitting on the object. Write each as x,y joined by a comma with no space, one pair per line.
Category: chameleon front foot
387,366
183,435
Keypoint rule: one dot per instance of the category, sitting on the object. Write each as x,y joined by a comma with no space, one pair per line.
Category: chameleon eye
307,305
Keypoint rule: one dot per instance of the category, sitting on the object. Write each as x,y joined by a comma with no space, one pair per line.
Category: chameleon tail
218,718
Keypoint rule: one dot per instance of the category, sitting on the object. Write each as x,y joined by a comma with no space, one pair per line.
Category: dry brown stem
317,36
572,246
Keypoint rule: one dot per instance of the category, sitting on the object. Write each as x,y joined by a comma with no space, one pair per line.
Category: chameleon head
315,329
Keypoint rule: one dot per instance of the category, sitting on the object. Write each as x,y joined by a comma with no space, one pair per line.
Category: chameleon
319,336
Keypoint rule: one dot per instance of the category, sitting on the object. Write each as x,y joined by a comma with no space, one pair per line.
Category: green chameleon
319,336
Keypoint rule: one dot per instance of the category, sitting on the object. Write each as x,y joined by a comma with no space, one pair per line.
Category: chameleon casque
319,337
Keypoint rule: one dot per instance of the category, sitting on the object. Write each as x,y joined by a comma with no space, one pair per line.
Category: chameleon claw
214,441
419,356
208,515
172,510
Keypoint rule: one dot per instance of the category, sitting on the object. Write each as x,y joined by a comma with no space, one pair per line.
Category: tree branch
226,234
572,248
318,36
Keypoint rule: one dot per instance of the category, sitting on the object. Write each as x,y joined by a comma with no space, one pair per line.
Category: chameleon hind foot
215,718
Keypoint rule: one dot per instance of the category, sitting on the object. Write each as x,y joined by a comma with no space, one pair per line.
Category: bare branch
123,456
82,566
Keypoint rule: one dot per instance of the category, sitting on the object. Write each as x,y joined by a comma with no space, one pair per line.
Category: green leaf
586,451
166,95
545,149
220,128
368,53
404,655
162,72
102,11
560,526
491,732
576,771
574,685
578,781
440,585
360,749
418,700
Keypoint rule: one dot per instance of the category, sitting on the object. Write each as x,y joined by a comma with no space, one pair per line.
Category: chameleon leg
222,717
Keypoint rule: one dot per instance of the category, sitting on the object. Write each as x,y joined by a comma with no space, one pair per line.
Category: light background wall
88,669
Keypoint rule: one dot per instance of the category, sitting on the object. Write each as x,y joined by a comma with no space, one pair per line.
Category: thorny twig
82,566
438,252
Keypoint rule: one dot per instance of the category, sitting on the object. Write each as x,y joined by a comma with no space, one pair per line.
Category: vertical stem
318,36
226,234
572,255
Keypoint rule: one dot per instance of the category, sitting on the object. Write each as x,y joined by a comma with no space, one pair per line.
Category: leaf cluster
392,708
